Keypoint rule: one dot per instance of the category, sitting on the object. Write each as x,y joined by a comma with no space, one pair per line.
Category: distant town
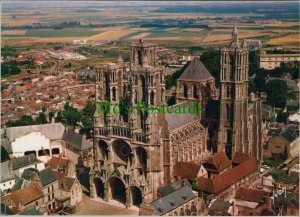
188,108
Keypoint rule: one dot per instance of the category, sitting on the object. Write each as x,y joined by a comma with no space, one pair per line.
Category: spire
120,60
244,43
235,38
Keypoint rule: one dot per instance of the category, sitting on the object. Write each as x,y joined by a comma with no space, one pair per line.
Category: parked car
69,209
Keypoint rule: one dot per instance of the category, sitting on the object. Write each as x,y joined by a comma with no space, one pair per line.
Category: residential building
271,61
181,200
221,208
26,198
43,140
20,164
7,178
78,149
252,202
70,192
50,188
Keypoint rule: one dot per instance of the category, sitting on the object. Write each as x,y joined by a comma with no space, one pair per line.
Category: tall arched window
195,92
185,90
114,93
152,98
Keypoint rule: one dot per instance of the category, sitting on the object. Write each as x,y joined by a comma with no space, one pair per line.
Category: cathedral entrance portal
99,187
117,189
137,197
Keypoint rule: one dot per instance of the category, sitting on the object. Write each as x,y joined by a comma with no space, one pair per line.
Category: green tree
285,153
211,59
276,93
4,154
282,117
51,115
71,116
9,68
41,119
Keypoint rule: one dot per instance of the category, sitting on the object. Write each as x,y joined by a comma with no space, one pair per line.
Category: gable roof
219,206
47,176
196,71
6,174
218,162
52,131
24,161
173,200
76,140
66,183
31,211
57,162
26,195
188,170
226,179
5,210
171,187
239,158
252,195
20,184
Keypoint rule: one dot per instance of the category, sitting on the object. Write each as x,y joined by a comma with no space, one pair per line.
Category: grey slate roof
29,173
76,140
53,131
173,200
196,71
31,211
5,210
176,121
24,161
219,206
6,174
171,187
66,183
20,184
47,176
6,144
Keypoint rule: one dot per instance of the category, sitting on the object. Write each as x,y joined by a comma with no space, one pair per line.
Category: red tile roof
57,162
226,179
219,161
26,195
252,195
239,158
187,170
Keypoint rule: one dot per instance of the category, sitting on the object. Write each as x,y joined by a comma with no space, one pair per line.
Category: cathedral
135,152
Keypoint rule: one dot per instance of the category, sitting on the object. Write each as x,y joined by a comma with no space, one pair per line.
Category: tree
71,116
211,59
51,115
282,117
276,93
4,154
285,153
41,119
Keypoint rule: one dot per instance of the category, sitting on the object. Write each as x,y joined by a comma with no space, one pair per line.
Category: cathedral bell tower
233,132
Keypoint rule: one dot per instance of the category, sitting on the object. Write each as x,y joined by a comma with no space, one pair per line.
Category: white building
271,61
7,178
44,141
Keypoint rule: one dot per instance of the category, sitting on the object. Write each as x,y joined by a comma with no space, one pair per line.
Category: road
91,207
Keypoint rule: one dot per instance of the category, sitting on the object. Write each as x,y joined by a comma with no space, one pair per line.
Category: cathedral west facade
134,153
